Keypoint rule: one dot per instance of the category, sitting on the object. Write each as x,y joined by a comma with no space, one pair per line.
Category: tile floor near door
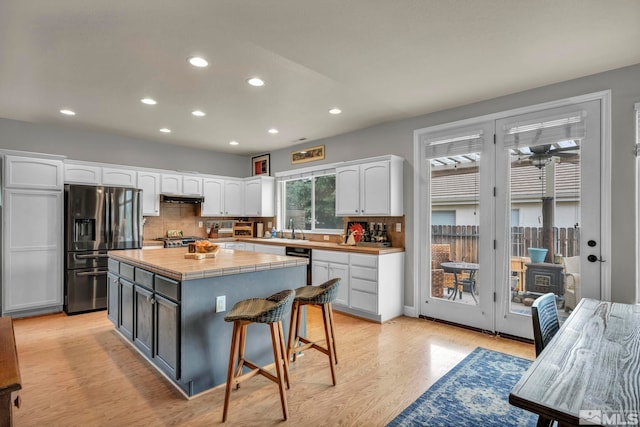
77,371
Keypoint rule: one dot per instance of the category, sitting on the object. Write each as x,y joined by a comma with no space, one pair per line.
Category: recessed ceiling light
198,113
255,81
68,112
197,61
233,142
273,131
165,130
148,101
335,111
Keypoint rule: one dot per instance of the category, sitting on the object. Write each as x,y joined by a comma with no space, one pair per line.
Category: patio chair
572,292
440,252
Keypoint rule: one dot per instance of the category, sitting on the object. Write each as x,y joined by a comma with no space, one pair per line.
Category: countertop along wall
394,137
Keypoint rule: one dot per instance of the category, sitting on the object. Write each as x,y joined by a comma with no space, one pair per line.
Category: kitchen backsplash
186,217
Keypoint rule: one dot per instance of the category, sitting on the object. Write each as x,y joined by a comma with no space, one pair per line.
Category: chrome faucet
293,231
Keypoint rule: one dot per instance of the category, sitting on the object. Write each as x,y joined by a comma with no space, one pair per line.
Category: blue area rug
474,393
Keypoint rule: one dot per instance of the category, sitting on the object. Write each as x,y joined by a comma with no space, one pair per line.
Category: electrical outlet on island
326,237
221,302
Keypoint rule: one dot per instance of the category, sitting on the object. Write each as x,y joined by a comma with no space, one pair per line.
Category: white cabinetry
191,185
33,172
259,196
149,183
119,177
82,173
184,185
171,183
213,192
370,188
32,230
329,265
234,197
371,285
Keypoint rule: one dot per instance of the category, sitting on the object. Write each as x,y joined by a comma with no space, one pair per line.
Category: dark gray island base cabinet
175,326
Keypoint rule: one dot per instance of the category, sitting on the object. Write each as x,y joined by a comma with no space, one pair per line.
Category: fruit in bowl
205,246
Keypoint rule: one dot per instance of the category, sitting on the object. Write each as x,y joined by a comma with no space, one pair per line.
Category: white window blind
450,144
545,128
305,173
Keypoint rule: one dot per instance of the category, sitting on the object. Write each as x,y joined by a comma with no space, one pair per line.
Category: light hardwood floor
77,371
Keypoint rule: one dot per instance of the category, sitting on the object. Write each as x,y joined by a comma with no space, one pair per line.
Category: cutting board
201,255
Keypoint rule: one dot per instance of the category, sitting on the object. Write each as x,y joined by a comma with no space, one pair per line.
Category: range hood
176,198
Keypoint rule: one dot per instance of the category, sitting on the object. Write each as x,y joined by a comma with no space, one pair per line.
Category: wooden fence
464,240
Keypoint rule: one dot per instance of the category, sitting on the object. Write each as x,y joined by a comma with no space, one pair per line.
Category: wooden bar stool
268,310
322,296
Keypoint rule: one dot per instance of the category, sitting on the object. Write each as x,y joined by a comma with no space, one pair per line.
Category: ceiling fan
541,155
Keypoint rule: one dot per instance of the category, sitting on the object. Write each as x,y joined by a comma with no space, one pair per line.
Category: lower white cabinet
371,285
32,252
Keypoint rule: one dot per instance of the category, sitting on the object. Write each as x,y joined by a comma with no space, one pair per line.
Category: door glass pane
455,210
545,192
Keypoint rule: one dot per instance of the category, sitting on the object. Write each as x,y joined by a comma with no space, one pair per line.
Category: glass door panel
458,164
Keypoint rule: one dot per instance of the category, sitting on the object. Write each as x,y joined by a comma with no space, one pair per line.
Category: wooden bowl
206,248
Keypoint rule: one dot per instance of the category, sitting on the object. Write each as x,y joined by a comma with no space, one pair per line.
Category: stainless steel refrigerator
97,220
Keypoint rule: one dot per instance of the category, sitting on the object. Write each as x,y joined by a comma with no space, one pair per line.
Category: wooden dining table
590,370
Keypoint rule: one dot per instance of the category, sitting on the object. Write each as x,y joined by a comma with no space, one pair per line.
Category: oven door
86,290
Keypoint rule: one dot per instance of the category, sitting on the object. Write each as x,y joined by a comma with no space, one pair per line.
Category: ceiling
376,60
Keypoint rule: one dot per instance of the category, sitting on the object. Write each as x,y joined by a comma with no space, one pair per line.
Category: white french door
492,188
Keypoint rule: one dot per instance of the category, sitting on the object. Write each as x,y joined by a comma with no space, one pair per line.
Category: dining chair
544,313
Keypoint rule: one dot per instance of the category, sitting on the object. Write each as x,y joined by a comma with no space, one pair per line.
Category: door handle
594,258
91,273
92,256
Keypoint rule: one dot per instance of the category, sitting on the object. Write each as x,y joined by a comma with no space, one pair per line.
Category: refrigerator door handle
91,273
108,216
92,256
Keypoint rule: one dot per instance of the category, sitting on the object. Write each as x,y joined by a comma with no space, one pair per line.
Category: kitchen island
172,309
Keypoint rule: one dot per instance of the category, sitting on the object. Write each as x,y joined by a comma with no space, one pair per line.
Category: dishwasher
301,253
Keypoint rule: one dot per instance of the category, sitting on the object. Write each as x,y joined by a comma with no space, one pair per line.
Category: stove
178,242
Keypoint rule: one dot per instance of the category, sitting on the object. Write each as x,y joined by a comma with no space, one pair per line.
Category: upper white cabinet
87,173
370,188
186,185
213,192
259,196
191,185
234,197
171,183
43,173
82,173
119,177
149,183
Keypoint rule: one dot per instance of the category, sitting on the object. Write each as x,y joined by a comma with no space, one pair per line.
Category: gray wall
397,138
108,148
389,138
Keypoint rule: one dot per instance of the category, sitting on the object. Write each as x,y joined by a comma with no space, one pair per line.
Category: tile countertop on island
170,262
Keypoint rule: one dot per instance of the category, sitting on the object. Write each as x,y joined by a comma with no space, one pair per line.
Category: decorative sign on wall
308,155
260,165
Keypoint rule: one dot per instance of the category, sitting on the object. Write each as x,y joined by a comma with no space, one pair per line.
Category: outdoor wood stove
543,278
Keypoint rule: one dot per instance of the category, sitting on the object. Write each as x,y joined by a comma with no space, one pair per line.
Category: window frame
281,200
